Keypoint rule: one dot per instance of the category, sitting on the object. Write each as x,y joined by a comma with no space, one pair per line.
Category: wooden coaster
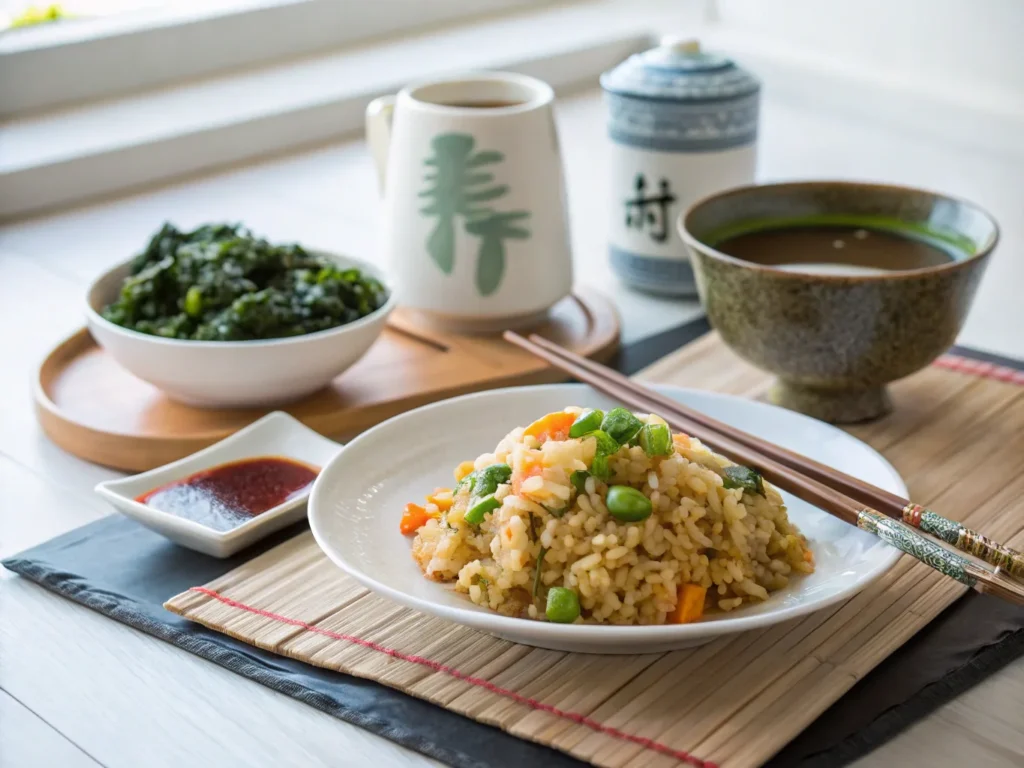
733,702
93,408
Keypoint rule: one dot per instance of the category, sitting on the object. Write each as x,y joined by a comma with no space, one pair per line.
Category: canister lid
679,70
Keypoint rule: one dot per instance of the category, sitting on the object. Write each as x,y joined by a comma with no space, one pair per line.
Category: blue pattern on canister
683,125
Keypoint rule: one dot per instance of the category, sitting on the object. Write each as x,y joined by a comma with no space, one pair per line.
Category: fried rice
721,543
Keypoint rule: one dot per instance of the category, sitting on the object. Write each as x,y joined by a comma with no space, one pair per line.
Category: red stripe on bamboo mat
540,706
982,368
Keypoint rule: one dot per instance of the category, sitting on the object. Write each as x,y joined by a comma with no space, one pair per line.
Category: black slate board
125,571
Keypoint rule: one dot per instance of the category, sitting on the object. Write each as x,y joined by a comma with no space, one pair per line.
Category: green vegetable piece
556,511
621,425
469,480
536,574
586,422
579,480
489,478
606,445
563,605
482,485
627,504
656,440
194,301
599,467
743,477
479,508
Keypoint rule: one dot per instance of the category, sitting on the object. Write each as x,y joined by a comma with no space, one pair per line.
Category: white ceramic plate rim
195,462
547,632
341,259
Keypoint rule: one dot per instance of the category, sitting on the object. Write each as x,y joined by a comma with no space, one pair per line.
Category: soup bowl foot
836,406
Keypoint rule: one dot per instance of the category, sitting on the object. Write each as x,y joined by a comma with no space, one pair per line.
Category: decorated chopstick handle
902,536
966,540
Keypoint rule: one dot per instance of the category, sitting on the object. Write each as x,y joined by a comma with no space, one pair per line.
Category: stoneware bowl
833,340
235,374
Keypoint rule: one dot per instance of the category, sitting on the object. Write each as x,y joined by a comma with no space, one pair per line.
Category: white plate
276,434
357,502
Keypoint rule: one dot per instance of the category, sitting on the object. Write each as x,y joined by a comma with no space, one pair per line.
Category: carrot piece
808,556
554,426
463,469
413,518
530,471
690,605
441,498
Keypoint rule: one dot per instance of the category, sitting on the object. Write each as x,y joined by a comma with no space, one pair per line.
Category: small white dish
357,502
276,434
234,374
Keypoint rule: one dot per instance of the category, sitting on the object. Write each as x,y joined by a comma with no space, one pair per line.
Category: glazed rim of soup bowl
94,303
688,224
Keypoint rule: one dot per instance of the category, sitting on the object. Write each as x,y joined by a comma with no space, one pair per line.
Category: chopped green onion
556,512
599,467
743,477
579,480
586,422
536,575
656,440
606,444
489,478
621,425
469,480
481,507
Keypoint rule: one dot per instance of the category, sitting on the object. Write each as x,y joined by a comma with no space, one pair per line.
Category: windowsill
62,158
104,148
55,65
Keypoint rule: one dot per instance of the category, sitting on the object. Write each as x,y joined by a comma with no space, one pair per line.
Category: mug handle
379,113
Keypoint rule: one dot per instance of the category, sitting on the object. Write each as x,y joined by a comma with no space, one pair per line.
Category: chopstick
950,531
893,531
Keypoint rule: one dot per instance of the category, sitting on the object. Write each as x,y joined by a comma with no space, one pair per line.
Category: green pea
478,508
563,605
586,422
627,504
579,480
621,425
656,440
194,301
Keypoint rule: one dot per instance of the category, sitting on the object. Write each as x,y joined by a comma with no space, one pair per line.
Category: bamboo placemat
735,701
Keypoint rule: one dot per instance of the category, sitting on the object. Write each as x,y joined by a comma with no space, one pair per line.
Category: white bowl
230,374
276,434
357,502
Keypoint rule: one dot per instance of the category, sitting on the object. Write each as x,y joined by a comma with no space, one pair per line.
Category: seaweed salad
222,283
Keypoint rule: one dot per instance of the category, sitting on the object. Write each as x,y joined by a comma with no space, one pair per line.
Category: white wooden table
77,689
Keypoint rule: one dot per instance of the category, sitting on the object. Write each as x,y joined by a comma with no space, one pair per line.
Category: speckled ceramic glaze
835,341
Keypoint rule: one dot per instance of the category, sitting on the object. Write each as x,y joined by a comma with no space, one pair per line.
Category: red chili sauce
225,496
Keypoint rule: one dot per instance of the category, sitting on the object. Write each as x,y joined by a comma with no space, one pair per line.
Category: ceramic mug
475,220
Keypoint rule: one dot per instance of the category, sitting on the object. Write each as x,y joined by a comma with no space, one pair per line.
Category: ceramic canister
683,125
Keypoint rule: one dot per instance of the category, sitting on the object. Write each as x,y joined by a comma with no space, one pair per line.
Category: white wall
969,50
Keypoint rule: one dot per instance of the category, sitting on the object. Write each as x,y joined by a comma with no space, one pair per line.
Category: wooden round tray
93,408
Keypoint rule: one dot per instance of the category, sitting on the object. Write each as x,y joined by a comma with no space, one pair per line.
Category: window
116,47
